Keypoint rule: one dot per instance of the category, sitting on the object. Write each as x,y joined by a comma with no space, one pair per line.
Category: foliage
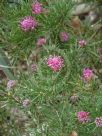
50,111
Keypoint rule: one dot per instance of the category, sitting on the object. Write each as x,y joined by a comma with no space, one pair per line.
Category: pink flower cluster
26,102
33,67
83,116
98,121
63,36
82,43
11,84
41,41
28,23
87,74
37,8
55,63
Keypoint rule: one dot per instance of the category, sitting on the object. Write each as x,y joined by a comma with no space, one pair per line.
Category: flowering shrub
48,97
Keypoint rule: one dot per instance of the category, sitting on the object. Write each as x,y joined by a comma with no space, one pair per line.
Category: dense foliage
66,77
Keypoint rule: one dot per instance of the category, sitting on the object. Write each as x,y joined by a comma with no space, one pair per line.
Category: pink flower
28,23
98,121
11,84
82,43
87,74
83,116
41,41
55,63
26,102
63,36
37,8
34,67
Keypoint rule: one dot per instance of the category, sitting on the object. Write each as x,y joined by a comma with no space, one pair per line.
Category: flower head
74,98
55,63
64,36
98,121
11,84
33,67
82,43
41,41
37,8
87,74
26,102
83,116
28,23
